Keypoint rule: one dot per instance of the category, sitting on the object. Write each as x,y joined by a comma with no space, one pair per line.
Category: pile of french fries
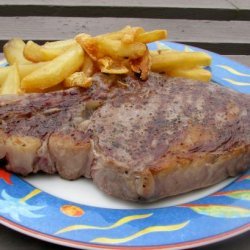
73,62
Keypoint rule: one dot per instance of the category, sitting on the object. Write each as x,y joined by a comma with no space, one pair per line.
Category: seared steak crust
30,124
170,136
137,140
47,132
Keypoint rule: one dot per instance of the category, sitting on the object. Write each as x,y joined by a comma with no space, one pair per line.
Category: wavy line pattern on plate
162,46
153,229
238,83
232,70
118,223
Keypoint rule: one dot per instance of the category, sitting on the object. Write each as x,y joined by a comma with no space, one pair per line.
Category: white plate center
83,191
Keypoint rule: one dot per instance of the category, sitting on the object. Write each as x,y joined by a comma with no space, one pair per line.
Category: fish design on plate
219,211
17,207
236,194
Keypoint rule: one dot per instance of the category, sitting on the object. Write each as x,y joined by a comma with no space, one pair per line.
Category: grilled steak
47,132
136,140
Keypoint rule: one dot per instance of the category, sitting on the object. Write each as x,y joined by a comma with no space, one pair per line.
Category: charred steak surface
47,132
136,140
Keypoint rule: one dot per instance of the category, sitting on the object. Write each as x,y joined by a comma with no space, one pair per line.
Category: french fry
80,38
151,36
11,85
154,52
166,51
88,67
159,52
72,62
55,71
183,60
129,37
196,74
84,38
109,66
13,51
60,44
126,35
77,79
52,89
117,49
142,65
98,47
90,46
36,53
26,69
4,73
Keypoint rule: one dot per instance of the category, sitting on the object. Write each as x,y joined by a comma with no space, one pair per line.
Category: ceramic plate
76,214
